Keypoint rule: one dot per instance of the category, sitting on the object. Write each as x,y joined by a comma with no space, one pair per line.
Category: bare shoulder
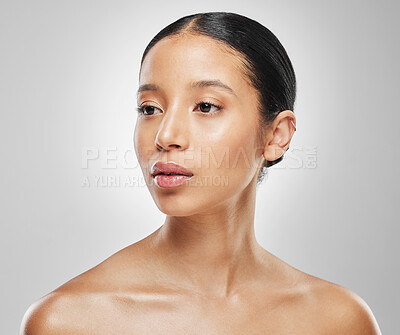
69,309
341,310
50,314
83,302
73,308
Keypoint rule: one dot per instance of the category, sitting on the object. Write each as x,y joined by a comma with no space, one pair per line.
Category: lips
169,168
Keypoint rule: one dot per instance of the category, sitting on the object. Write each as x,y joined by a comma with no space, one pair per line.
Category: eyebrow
197,84
213,83
147,87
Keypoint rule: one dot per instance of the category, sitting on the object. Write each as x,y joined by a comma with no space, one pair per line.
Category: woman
215,109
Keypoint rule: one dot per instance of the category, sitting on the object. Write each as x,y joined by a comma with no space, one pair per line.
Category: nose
172,133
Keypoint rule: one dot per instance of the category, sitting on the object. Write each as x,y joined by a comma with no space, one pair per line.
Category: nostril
158,146
170,146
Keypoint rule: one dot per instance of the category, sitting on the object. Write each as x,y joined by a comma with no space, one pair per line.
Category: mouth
169,169
170,174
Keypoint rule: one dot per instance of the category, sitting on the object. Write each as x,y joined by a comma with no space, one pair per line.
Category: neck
212,252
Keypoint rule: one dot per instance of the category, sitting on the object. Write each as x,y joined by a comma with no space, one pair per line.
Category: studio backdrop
72,192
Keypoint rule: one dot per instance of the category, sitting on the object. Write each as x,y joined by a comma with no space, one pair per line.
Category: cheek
230,151
143,140
143,144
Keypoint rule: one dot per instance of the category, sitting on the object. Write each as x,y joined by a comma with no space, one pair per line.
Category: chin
171,208
175,203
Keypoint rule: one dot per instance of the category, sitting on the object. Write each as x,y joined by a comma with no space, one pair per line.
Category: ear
279,135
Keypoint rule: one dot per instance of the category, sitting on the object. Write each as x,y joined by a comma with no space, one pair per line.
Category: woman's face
197,110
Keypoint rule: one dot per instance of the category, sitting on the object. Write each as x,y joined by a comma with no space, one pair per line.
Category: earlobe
279,135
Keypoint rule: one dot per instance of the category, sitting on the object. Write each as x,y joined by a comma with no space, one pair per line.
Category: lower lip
169,181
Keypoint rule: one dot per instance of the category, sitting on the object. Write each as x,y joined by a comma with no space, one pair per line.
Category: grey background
69,73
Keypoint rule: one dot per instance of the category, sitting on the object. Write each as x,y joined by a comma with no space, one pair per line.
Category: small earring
293,125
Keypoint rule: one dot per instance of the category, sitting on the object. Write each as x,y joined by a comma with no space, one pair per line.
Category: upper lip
169,167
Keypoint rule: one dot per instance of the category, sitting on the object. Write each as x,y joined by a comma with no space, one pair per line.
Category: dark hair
268,66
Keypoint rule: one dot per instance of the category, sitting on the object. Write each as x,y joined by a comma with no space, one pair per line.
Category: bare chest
163,315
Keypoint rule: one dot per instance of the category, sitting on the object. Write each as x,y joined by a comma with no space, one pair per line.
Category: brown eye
207,108
147,109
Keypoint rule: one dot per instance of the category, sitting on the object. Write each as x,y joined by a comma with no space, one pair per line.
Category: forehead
188,57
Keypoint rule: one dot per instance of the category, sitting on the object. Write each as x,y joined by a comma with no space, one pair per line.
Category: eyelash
141,108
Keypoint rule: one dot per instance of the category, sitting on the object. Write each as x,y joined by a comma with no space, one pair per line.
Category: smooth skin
202,271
